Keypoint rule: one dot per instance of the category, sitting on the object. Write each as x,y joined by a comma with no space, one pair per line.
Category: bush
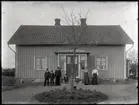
8,72
64,96
8,81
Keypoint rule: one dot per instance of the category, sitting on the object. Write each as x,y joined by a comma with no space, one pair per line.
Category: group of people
52,78
94,77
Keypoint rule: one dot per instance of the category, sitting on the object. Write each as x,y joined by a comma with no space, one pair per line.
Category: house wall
25,60
116,60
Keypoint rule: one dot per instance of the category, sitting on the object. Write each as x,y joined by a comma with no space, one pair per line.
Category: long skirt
95,79
86,79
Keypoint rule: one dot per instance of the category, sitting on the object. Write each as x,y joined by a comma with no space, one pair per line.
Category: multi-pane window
102,63
83,61
40,63
70,59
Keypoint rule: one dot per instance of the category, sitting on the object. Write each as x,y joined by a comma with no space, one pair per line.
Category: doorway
69,65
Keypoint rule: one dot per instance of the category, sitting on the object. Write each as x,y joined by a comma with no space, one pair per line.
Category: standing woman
95,76
86,77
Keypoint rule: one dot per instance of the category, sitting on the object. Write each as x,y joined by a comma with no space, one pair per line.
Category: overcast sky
15,14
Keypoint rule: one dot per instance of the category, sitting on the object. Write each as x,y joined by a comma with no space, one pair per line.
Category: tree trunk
71,79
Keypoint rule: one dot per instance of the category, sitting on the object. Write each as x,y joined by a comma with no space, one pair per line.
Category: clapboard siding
116,60
25,60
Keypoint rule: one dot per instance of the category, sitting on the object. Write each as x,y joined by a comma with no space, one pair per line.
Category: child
46,76
66,78
52,76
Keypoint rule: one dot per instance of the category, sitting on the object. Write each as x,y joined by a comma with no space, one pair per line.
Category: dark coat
47,75
58,73
52,75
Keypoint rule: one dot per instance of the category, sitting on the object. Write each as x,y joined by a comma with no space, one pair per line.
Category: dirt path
116,93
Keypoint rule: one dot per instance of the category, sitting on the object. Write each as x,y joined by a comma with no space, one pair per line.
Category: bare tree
77,36
133,56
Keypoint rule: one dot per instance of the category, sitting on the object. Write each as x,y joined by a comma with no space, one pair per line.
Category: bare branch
76,20
87,14
80,15
66,14
72,17
66,21
76,38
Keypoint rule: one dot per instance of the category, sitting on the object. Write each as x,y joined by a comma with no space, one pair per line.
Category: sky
15,14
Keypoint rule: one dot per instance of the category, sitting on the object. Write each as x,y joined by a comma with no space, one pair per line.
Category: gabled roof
49,35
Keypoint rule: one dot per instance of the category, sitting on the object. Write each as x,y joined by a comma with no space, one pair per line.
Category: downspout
11,49
129,49
15,56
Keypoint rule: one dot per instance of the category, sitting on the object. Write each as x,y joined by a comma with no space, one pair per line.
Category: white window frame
85,60
79,69
35,63
64,60
106,62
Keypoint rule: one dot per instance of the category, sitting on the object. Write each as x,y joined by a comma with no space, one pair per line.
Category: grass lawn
9,83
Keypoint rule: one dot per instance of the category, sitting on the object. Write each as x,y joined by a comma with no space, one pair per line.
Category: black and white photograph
69,52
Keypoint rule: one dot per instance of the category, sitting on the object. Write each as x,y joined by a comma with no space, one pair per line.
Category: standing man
56,76
59,76
95,76
46,76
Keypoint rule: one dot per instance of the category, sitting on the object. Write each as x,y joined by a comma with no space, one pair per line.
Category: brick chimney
83,22
57,22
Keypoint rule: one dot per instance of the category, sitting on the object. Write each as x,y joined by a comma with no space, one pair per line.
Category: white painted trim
124,64
58,60
107,63
85,60
79,74
65,63
34,62
79,70
16,61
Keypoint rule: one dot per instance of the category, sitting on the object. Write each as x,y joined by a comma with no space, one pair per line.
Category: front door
69,65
